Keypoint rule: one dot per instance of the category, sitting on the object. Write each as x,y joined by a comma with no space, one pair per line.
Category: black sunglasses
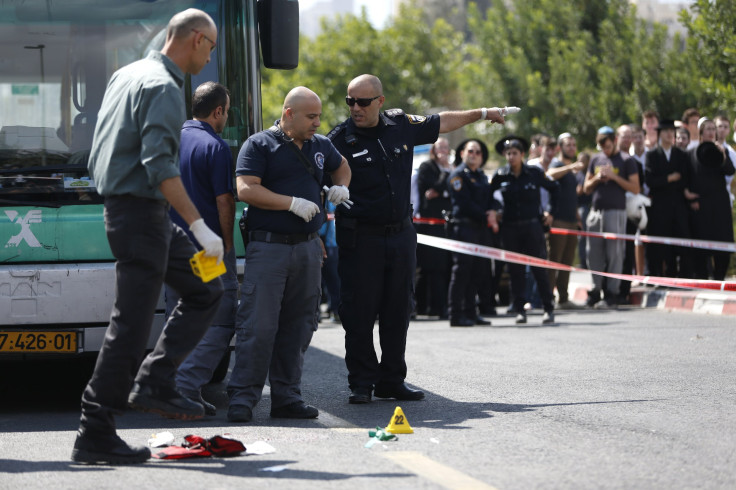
365,102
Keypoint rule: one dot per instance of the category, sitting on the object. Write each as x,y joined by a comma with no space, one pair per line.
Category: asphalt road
606,399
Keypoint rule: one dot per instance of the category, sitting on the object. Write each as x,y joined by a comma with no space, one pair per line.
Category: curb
708,303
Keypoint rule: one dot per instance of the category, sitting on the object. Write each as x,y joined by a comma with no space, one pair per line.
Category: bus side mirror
278,25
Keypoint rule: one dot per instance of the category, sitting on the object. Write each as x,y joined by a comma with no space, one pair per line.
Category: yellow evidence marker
399,424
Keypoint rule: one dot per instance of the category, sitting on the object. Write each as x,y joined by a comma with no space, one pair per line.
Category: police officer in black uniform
471,204
375,238
521,226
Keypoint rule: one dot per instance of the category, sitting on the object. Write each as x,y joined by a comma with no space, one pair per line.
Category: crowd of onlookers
659,178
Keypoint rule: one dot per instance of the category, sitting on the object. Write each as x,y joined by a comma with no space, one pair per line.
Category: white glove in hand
208,239
303,208
338,194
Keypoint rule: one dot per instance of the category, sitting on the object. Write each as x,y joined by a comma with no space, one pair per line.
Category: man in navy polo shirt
279,174
206,166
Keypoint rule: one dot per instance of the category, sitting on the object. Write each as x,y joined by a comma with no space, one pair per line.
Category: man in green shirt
134,162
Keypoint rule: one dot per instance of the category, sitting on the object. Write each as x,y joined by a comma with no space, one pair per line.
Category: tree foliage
572,66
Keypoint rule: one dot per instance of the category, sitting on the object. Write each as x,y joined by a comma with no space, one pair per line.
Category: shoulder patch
336,130
456,183
415,119
392,113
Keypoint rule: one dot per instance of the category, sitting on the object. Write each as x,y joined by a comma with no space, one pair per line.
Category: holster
243,224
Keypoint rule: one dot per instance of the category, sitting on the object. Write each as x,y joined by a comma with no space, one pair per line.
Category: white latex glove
338,194
303,208
208,239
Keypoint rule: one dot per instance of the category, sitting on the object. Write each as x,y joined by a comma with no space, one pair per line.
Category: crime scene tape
517,258
663,240
679,242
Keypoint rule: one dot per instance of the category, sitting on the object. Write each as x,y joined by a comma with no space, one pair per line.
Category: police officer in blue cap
376,239
521,228
471,204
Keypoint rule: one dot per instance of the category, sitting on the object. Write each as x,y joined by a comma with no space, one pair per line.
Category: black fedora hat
709,155
512,141
666,124
461,146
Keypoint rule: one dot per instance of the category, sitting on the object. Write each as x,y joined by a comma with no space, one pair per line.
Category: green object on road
379,434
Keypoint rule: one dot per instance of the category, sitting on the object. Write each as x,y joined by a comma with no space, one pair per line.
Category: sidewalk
681,300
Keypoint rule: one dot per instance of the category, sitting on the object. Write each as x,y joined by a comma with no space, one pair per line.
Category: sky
378,10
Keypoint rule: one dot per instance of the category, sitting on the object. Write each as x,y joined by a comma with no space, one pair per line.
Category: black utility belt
468,222
291,239
375,229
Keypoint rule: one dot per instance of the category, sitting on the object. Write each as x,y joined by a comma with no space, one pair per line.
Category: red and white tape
679,242
517,258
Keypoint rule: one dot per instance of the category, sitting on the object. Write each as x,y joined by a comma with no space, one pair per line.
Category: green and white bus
57,276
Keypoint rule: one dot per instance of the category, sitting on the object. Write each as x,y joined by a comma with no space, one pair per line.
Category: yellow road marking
435,472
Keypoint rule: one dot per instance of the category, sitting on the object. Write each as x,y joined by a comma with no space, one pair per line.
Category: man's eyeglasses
214,44
472,151
364,102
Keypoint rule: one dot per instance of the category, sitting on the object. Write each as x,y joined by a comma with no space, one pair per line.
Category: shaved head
298,97
181,25
364,81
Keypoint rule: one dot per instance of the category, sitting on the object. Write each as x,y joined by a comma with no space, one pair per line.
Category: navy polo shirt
470,194
381,160
521,199
206,166
567,200
267,155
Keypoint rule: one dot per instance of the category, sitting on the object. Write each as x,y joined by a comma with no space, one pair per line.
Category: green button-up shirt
136,140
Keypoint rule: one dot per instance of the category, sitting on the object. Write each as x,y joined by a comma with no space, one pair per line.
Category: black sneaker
164,400
296,410
594,296
209,409
359,396
106,448
521,318
548,317
239,413
398,391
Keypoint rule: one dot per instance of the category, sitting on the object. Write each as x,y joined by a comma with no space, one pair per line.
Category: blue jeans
196,370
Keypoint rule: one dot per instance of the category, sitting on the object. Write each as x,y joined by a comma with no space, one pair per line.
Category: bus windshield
55,60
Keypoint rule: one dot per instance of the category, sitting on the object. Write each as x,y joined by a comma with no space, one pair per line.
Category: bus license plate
61,341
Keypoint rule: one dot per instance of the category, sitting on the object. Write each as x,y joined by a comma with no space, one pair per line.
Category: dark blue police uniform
521,228
377,244
279,299
471,198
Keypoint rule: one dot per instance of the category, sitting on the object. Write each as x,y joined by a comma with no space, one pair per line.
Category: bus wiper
47,169
35,204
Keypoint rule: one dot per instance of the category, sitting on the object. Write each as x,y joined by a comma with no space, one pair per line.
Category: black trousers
466,275
527,238
376,281
150,250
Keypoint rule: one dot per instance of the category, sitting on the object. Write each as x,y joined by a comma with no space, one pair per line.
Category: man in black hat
710,204
521,228
663,173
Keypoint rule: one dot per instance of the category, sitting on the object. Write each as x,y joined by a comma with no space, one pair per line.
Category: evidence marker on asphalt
399,423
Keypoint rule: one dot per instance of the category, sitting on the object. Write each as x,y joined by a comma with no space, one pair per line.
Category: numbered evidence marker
399,424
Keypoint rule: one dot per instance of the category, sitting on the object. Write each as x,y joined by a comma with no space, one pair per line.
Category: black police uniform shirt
381,160
470,193
521,200
266,155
